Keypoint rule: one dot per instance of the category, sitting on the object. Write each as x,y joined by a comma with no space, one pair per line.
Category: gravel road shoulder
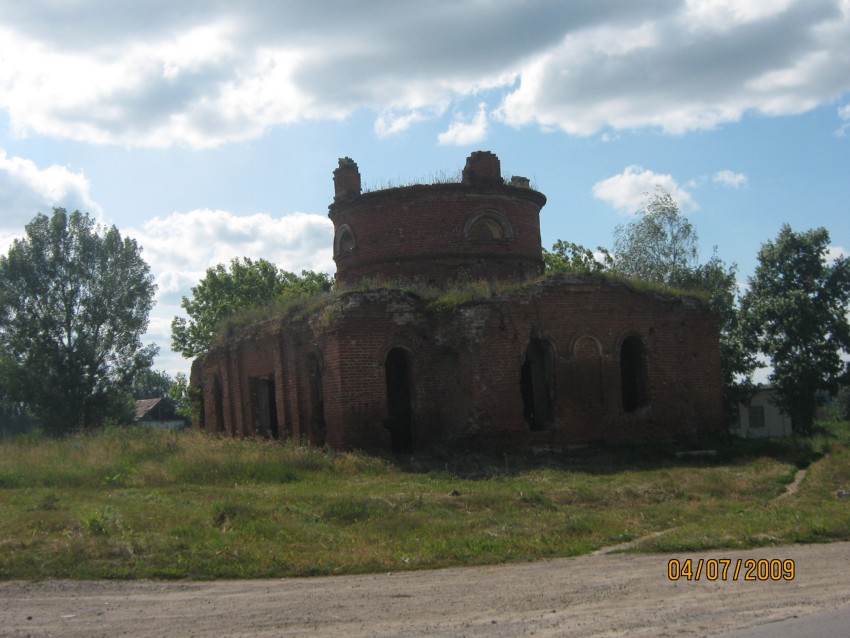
602,595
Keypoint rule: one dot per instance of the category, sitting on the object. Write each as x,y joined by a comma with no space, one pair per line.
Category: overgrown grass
444,299
435,178
438,177
140,503
286,307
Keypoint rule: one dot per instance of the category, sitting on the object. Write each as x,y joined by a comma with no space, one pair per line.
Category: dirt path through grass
603,595
794,486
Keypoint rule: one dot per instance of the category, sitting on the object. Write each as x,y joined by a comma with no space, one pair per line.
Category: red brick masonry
558,361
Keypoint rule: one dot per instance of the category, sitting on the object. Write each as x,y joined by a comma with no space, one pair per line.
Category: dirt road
605,595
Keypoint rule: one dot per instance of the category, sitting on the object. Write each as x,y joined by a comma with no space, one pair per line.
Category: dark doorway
319,429
399,400
266,407
633,374
537,384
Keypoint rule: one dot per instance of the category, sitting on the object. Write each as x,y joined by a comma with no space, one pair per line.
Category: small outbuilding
761,417
158,413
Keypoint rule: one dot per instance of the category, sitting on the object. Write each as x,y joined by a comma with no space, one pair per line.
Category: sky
210,130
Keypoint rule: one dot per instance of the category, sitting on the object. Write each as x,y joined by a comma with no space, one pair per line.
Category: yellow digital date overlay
752,569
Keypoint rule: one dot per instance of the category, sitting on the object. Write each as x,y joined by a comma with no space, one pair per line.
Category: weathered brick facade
556,361
480,228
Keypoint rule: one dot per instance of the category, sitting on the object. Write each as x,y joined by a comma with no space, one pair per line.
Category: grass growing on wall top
291,307
141,503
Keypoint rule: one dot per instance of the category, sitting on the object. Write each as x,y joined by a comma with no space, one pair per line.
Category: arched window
343,242
633,374
488,225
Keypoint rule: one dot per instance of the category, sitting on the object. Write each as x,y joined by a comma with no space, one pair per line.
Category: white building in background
761,417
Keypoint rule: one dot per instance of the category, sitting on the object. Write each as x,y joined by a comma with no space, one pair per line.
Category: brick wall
466,367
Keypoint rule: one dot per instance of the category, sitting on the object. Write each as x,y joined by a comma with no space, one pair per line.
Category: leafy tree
74,302
737,362
14,416
660,245
224,291
151,384
179,394
795,313
569,257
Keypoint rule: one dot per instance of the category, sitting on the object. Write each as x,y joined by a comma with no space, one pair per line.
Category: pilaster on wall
228,397
290,389
284,419
332,389
239,394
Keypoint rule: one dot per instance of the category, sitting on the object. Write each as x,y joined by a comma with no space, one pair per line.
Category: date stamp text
752,569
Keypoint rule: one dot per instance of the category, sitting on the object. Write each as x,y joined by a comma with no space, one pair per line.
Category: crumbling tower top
346,178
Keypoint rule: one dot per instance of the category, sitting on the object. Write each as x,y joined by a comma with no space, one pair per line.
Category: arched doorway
537,384
400,411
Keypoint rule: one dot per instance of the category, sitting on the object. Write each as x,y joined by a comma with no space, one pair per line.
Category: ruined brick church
555,361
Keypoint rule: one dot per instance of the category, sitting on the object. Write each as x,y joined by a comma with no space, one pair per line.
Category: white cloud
26,189
722,15
390,123
697,68
834,252
730,179
462,133
844,115
197,74
180,247
627,191
196,88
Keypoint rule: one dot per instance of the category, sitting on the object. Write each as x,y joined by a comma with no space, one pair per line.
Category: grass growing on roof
445,299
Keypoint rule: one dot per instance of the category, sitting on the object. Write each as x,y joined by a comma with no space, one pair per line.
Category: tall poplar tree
74,303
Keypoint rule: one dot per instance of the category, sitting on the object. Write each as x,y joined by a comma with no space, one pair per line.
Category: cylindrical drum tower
481,228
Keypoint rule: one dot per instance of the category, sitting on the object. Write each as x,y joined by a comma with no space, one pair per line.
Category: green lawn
137,503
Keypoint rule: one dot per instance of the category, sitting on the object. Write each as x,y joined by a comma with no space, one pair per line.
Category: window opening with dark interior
755,416
633,374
